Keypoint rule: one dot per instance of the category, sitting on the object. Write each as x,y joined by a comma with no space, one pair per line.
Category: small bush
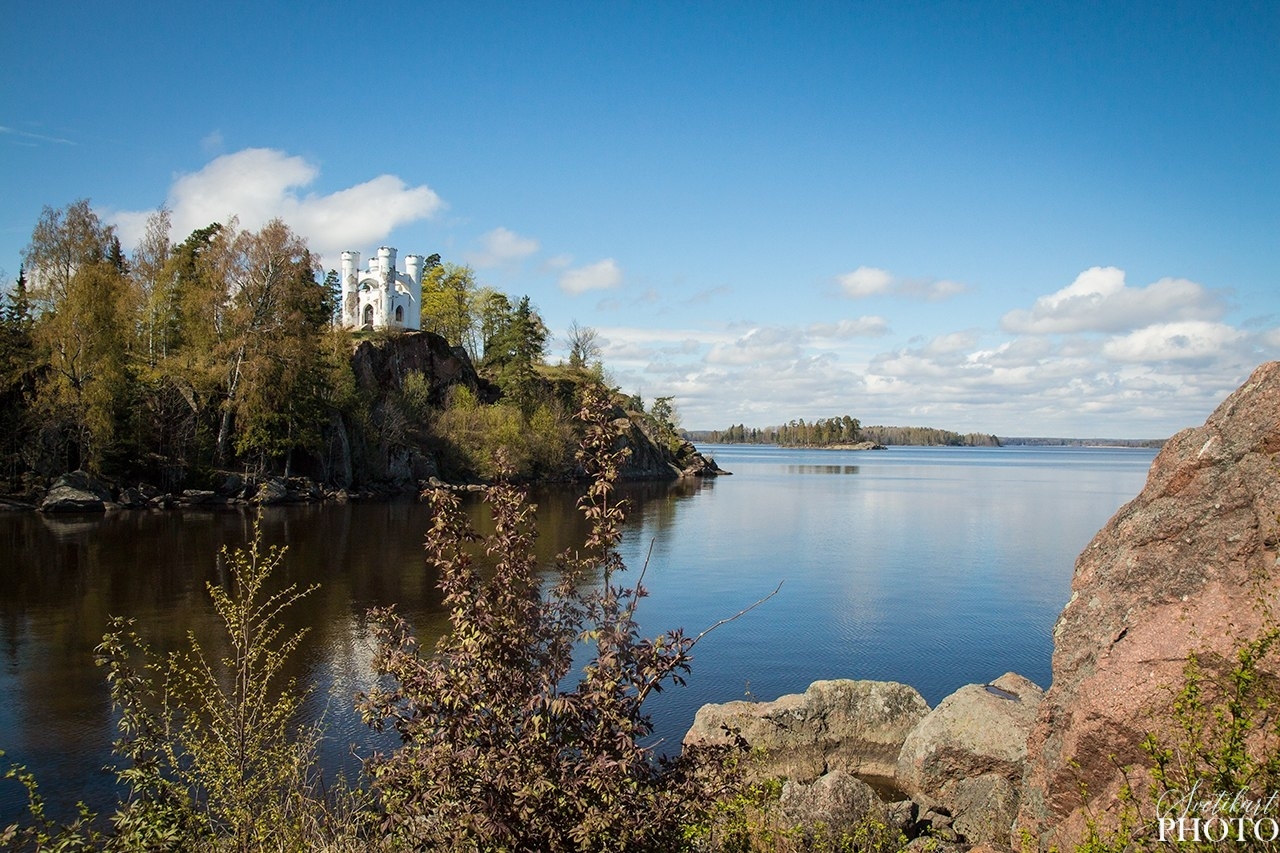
212,754
499,752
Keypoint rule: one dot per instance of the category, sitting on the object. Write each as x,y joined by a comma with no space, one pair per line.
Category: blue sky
1028,219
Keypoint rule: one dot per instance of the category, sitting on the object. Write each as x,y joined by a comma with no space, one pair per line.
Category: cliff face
1179,568
652,459
380,366
385,450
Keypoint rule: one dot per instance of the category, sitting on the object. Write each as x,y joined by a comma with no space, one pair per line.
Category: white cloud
952,343
502,246
864,282
260,184
1100,301
1188,341
602,275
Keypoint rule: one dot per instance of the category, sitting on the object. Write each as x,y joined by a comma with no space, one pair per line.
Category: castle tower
350,310
380,297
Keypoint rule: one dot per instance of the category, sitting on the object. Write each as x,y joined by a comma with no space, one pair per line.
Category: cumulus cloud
1100,301
260,184
502,246
865,282
1128,386
1188,341
602,275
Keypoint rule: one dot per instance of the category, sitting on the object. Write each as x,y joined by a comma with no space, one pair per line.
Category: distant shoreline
1020,441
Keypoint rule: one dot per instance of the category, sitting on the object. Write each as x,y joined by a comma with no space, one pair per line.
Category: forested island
841,431
182,363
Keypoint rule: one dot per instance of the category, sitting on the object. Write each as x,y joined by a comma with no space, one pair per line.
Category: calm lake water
937,567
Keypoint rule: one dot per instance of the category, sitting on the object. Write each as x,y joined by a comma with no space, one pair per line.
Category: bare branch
744,611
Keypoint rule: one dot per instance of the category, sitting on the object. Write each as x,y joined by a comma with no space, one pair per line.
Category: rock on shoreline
957,766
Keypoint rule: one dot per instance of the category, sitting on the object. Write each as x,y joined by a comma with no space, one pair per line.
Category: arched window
367,319
399,313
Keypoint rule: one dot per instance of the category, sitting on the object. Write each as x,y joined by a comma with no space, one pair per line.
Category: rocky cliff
387,450
1182,567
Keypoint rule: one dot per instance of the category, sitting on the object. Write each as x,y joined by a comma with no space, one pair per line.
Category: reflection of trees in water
62,578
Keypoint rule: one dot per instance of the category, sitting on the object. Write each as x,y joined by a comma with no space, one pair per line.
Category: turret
387,265
413,268
350,276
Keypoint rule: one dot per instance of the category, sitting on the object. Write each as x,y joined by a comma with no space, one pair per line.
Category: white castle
380,297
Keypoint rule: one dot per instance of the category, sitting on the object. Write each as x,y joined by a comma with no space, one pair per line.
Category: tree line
221,350
841,430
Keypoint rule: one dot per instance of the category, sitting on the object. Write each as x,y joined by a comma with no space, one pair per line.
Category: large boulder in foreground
978,730
1176,569
856,726
77,491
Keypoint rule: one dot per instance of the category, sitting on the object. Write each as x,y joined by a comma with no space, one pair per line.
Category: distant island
847,432
840,432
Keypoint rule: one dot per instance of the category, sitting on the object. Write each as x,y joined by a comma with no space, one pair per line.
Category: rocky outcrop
980,729
654,458
77,491
387,453
382,364
1177,569
856,726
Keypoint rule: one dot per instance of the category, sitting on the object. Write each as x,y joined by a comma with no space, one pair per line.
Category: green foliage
514,355
498,752
219,351
212,757
18,374
449,305
489,442
89,383
415,395
664,423
797,433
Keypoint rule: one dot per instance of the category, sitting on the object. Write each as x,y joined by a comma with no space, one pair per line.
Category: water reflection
822,469
63,578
